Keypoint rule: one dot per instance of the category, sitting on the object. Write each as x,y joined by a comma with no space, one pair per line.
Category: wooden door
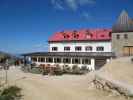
128,51
131,51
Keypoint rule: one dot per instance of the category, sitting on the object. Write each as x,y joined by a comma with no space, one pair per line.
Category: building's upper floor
94,40
101,46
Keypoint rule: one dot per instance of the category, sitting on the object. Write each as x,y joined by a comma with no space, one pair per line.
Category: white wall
106,45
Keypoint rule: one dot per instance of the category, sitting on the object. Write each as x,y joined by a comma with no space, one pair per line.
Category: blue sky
26,25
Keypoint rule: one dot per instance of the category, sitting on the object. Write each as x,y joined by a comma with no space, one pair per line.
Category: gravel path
66,87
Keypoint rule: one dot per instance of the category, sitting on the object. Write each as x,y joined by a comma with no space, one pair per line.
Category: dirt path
66,87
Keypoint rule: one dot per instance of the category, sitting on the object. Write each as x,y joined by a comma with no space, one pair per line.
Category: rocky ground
116,77
66,87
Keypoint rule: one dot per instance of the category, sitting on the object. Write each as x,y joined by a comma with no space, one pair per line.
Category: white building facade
85,48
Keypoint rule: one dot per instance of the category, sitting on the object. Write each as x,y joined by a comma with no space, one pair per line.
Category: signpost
6,68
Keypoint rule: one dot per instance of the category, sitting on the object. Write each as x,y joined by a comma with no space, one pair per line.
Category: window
100,48
41,59
88,48
86,61
89,34
125,36
118,36
76,61
78,48
66,48
49,60
66,60
75,34
54,48
57,60
34,59
66,36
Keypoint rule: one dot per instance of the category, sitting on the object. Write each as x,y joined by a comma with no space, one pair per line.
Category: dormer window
66,36
75,35
88,34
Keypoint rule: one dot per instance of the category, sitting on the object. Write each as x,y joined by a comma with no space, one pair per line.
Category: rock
113,86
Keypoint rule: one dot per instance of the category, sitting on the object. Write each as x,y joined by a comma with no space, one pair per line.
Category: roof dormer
75,34
65,35
89,35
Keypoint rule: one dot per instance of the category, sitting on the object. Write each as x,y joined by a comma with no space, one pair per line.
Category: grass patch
11,93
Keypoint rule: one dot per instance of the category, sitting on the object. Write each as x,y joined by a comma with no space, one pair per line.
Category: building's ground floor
91,61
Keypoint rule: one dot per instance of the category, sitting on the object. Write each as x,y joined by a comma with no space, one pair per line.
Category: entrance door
99,63
128,51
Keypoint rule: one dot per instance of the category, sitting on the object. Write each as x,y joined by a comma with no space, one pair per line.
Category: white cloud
71,4
57,4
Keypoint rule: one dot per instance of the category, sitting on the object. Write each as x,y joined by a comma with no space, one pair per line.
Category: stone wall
118,44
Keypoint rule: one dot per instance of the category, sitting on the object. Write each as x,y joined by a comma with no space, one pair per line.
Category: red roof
81,35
